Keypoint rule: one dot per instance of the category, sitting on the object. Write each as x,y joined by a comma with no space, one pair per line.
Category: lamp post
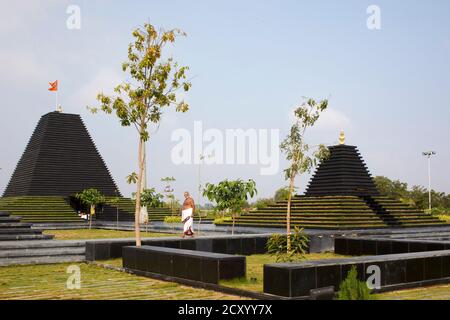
202,158
429,154
117,209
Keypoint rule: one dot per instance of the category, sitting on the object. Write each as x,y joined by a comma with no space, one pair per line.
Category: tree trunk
232,228
199,222
91,213
137,214
288,216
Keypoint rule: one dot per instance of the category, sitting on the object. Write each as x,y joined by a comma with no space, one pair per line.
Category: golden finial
342,137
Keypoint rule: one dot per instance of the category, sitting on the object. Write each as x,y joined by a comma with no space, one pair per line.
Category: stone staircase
338,212
41,252
405,215
12,229
48,209
23,243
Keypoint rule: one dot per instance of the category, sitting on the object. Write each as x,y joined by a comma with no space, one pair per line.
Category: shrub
444,217
150,198
277,246
264,203
172,219
439,211
222,220
353,289
282,194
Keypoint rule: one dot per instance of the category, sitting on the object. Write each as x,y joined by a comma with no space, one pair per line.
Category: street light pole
429,154
117,210
199,195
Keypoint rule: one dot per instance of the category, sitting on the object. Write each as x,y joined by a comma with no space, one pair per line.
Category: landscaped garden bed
255,265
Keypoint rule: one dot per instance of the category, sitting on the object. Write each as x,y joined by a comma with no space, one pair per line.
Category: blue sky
252,61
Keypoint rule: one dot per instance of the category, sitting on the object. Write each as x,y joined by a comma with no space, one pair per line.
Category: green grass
48,282
112,262
255,264
83,234
428,293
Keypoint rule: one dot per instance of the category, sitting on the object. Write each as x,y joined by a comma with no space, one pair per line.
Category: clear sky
251,63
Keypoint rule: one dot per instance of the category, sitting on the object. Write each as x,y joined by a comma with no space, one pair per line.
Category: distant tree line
416,195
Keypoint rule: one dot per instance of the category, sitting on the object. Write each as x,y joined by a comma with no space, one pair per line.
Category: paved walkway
211,229
49,282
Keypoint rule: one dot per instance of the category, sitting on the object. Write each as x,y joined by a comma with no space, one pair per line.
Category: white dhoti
188,223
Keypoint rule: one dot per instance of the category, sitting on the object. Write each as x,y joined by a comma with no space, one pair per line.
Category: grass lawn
49,282
82,234
255,263
429,293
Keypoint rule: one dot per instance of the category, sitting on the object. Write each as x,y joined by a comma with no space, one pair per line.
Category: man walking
187,215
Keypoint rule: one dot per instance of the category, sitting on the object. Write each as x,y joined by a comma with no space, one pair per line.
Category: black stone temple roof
60,159
343,173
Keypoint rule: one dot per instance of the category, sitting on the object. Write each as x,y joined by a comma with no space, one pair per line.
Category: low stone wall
199,266
397,271
379,246
243,245
240,244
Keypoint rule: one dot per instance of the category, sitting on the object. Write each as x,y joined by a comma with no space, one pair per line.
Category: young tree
281,194
141,101
115,202
298,152
91,198
168,191
132,178
230,196
150,198
392,188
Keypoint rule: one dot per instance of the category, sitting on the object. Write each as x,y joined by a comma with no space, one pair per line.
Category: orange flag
53,86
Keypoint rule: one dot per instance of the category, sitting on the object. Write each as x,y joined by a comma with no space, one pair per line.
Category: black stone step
42,260
40,252
20,231
15,225
9,219
23,237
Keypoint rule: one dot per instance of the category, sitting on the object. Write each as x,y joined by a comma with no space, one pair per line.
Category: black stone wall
397,271
243,245
368,246
198,266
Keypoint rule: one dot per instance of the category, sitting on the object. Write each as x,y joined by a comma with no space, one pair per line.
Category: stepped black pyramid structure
340,195
60,160
344,173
